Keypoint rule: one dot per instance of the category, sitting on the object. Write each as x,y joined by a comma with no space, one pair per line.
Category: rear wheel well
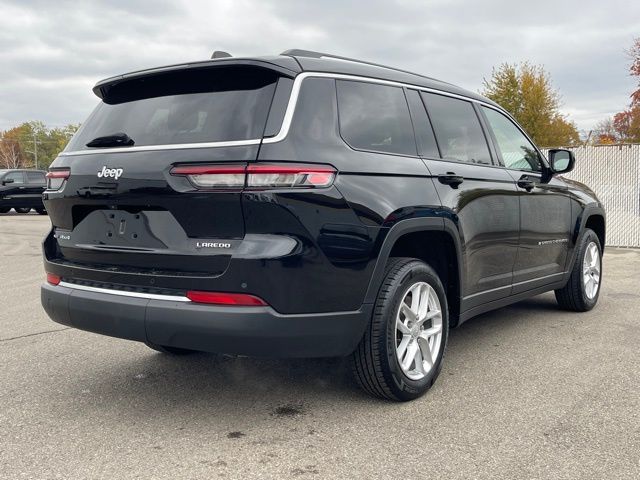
596,223
437,250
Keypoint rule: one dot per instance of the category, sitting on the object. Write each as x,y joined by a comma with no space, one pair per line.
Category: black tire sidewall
588,237
404,387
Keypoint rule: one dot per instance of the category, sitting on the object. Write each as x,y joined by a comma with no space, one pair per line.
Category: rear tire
401,352
170,350
581,292
4,210
22,209
41,211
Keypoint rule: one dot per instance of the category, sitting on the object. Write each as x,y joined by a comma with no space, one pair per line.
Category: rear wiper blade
115,140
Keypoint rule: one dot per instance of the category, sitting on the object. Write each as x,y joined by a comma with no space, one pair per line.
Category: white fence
613,172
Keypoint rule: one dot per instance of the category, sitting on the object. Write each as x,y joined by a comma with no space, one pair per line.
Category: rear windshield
189,106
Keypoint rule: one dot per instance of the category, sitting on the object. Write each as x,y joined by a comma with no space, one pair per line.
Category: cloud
52,53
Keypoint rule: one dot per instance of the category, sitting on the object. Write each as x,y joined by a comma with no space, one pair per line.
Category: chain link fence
613,172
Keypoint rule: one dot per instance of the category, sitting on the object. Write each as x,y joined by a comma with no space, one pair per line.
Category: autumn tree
625,125
526,92
21,146
604,133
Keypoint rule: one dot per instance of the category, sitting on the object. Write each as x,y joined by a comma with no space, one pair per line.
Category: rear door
545,207
124,207
479,197
35,183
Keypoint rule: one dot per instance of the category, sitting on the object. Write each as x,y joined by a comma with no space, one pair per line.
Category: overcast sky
53,52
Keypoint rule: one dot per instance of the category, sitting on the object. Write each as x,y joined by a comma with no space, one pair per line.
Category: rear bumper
253,331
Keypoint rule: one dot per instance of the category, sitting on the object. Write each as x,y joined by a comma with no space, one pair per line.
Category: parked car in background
22,190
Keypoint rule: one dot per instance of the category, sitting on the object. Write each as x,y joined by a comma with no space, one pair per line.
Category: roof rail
294,52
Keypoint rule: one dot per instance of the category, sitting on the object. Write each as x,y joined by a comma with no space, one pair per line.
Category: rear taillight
56,178
53,279
289,176
218,298
257,177
213,176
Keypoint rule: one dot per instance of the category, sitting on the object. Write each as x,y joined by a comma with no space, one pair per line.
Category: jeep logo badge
114,173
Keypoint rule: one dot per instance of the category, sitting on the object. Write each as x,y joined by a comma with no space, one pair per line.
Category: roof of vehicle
294,62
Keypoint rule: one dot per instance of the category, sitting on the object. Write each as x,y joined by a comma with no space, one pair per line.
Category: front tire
22,209
41,211
581,292
400,354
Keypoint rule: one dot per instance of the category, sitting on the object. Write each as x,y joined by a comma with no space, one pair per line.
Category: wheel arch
596,222
415,238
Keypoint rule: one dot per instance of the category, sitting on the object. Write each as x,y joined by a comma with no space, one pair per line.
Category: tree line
33,144
524,90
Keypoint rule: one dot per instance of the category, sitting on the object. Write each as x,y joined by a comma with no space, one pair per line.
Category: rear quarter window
375,118
191,106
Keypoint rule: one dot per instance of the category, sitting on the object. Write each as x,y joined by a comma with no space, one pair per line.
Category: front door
545,207
13,189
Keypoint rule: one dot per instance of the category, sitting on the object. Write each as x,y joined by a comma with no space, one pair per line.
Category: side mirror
8,180
561,161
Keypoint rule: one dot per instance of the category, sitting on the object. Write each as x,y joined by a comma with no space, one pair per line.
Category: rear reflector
257,176
216,298
53,279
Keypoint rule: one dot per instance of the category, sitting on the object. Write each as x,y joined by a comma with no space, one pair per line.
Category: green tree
525,91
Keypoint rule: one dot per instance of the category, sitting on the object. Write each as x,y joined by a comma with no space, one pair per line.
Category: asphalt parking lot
527,391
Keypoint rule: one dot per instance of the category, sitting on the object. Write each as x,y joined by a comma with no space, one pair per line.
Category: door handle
527,184
451,179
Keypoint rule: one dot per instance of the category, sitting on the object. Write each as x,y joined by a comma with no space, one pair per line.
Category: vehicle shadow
158,383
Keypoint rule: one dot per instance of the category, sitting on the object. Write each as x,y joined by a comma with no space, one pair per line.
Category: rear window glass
457,129
198,106
375,117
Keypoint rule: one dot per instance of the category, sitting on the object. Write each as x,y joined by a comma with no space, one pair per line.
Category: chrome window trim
108,291
151,148
288,116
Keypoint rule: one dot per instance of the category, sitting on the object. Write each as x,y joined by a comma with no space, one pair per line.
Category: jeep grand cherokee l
306,205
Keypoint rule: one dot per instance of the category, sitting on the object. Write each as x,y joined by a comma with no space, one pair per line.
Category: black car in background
304,205
22,190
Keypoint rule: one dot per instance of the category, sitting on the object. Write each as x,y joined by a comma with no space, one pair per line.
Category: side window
425,138
36,177
457,129
375,117
517,151
15,176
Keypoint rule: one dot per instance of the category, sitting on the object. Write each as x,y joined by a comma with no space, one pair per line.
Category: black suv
307,205
22,190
